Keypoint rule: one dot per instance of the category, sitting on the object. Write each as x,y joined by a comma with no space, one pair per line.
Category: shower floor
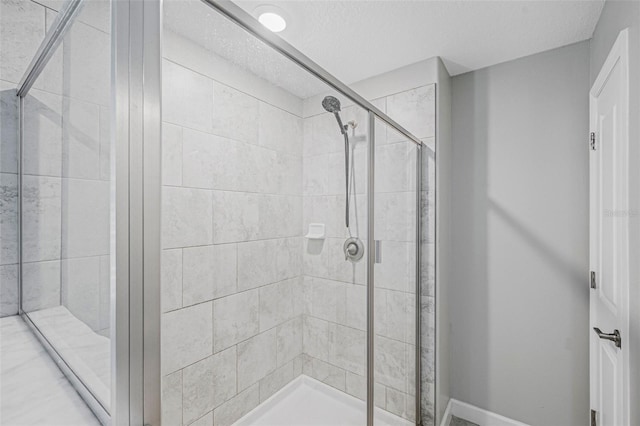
33,391
85,351
308,402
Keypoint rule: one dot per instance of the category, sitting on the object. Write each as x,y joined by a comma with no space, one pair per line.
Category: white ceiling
199,23
358,39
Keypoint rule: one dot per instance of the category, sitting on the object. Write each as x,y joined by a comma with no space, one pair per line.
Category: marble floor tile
87,352
28,374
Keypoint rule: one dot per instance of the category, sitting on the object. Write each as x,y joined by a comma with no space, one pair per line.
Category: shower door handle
378,252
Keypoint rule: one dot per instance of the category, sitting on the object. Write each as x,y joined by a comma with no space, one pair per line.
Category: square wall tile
209,161
186,336
172,399
235,114
236,407
8,290
235,318
395,216
187,97
256,358
209,272
347,348
171,279
172,147
8,128
206,420
23,24
315,337
186,217
256,263
85,217
80,289
42,142
277,303
42,210
256,169
208,383
87,57
414,110
40,285
276,380
279,130
80,139
236,217
289,340
8,218
325,372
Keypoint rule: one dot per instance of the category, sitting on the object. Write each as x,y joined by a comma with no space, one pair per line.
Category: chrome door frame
137,82
136,27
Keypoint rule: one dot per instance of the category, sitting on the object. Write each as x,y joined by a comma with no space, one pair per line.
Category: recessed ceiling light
272,21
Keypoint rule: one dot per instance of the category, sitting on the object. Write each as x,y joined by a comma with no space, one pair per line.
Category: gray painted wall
519,299
616,16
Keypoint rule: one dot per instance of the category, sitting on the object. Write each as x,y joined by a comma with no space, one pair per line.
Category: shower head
331,104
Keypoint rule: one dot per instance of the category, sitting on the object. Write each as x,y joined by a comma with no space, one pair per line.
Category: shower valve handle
352,249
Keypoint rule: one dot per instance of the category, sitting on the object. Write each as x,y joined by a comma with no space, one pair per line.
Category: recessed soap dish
316,231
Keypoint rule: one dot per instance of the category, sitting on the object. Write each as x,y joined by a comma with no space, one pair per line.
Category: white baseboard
446,417
475,415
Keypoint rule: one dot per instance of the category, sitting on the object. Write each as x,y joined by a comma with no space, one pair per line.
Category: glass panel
395,276
66,177
258,297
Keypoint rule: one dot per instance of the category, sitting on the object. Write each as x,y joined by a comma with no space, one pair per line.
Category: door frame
618,56
136,123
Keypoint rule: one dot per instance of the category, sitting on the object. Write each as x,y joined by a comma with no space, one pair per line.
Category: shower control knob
353,249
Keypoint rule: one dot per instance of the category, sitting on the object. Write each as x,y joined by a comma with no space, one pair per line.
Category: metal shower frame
136,45
236,14
136,30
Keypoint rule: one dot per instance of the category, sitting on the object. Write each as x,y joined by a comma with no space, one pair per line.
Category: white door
609,240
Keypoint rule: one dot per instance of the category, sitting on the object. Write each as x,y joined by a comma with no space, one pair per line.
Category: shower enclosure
215,230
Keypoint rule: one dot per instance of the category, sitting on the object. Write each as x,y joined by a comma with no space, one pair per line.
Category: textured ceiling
197,22
356,39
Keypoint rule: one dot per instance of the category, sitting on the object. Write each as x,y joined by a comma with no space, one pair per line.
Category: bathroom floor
457,421
28,374
308,402
85,351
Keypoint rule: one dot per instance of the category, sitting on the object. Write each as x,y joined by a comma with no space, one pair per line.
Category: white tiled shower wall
334,330
238,282
232,246
248,303
66,164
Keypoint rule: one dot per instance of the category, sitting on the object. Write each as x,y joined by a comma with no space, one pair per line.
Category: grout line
166,58
233,191
65,177
234,294
256,144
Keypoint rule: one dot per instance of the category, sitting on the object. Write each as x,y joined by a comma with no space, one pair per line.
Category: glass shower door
66,203
396,231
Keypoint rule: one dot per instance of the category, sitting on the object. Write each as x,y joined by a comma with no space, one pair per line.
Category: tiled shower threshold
309,402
